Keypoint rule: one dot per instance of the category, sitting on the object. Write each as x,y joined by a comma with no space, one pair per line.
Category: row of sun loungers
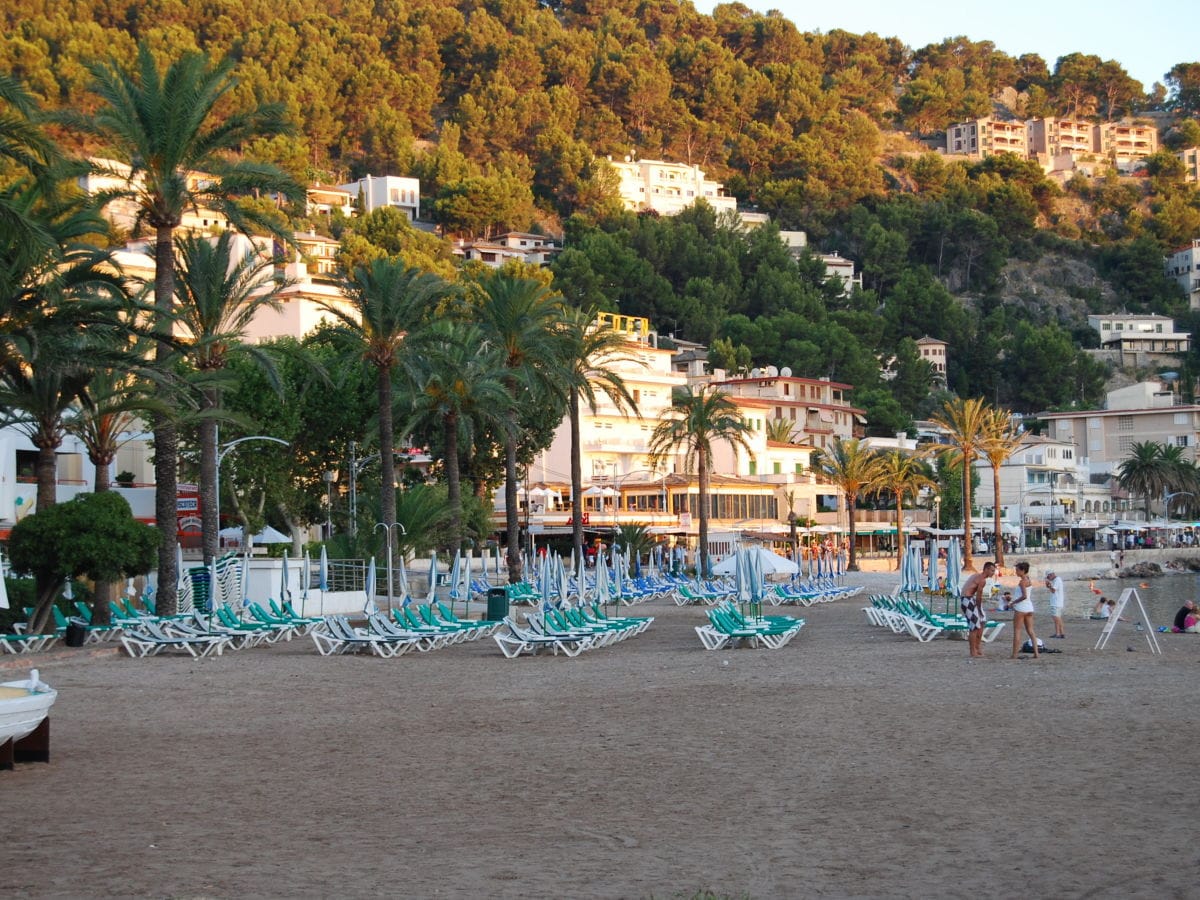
728,628
422,628
567,631
914,619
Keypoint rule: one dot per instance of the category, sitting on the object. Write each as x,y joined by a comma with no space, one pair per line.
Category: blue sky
1147,38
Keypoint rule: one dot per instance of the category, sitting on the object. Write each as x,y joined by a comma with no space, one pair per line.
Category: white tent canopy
771,563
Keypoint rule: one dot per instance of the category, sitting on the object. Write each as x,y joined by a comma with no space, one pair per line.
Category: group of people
1021,605
1187,620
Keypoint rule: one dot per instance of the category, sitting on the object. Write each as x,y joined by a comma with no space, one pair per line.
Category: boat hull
20,711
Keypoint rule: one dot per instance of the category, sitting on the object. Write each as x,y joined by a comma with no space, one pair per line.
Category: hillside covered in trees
505,110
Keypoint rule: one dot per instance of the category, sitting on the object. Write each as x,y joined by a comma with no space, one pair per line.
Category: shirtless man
971,603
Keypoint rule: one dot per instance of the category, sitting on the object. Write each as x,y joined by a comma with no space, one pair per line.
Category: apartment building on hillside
985,137
1190,157
1147,411
651,185
1140,340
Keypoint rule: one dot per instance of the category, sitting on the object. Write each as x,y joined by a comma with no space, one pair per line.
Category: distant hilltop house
112,175
1134,340
836,266
1184,266
1060,145
324,199
515,246
651,185
931,350
376,191
1190,157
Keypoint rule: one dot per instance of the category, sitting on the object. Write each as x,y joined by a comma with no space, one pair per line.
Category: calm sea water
1162,597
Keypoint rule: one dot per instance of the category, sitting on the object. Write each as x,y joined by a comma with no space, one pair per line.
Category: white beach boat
23,706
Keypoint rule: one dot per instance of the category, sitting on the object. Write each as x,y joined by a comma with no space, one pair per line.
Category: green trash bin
497,600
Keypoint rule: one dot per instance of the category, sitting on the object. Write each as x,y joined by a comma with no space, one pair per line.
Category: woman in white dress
1022,608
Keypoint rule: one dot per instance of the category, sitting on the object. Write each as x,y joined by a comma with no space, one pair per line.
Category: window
777,468
753,467
1125,444
1124,423
1181,418
1181,440
799,468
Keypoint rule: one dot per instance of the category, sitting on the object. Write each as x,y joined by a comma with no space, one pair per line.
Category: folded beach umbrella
455,572
933,584
284,593
305,582
603,587
323,577
403,577
429,598
369,589
3,586
954,568
180,571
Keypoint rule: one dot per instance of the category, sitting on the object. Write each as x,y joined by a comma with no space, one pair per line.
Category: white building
375,191
651,185
515,246
1140,340
1184,266
836,266
117,176
1046,493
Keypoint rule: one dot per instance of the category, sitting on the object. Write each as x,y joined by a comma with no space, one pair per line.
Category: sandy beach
852,763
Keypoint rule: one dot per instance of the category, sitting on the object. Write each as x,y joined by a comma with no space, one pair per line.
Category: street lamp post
937,512
1167,498
228,448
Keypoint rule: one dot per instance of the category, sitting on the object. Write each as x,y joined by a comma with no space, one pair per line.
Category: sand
850,763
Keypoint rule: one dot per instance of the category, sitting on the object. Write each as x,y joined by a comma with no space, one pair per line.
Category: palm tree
695,422
780,431
1000,440
26,150
37,389
521,316
965,422
591,352
902,475
219,291
388,300
1145,472
853,468
456,385
118,400
175,153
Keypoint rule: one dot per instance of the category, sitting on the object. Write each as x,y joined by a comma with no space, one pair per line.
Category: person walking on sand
1054,585
1023,611
971,603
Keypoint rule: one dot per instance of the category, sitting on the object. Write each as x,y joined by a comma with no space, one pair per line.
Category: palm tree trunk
453,483
996,513
851,506
899,528
166,438
102,591
702,496
576,481
968,543
387,461
47,475
210,525
512,519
